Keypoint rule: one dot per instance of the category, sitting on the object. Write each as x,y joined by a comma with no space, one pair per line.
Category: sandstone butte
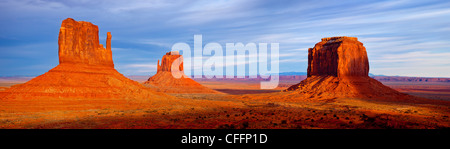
338,67
164,80
85,70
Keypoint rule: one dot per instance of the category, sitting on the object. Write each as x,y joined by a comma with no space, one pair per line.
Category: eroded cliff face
79,44
338,56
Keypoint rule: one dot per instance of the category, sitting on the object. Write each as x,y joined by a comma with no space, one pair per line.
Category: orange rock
168,60
79,44
165,81
338,56
86,70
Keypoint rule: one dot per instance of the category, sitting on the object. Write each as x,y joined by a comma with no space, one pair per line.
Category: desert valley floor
238,106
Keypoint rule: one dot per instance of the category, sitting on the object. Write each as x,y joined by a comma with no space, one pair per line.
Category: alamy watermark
211,61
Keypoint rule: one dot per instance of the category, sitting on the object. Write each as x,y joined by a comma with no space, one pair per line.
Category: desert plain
230,110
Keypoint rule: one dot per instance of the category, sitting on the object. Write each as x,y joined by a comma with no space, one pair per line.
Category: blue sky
402,37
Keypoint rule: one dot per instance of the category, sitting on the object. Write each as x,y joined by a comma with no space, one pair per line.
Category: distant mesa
172,58
85,70
339,67
170,77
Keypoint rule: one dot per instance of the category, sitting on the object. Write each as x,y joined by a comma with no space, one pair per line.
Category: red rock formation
338,56
339,67
165,81
79,44
168,60
86,70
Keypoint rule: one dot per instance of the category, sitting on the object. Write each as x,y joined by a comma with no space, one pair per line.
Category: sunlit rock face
338,56
79,44
171,59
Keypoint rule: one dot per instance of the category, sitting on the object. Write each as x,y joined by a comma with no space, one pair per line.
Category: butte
85,70
177,82
338,67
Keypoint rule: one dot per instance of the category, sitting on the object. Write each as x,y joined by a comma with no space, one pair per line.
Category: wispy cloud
396,34
141,69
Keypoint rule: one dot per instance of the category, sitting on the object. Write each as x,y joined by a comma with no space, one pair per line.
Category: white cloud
147,66
397,34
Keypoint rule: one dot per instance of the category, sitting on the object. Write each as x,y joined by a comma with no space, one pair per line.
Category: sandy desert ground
232,110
